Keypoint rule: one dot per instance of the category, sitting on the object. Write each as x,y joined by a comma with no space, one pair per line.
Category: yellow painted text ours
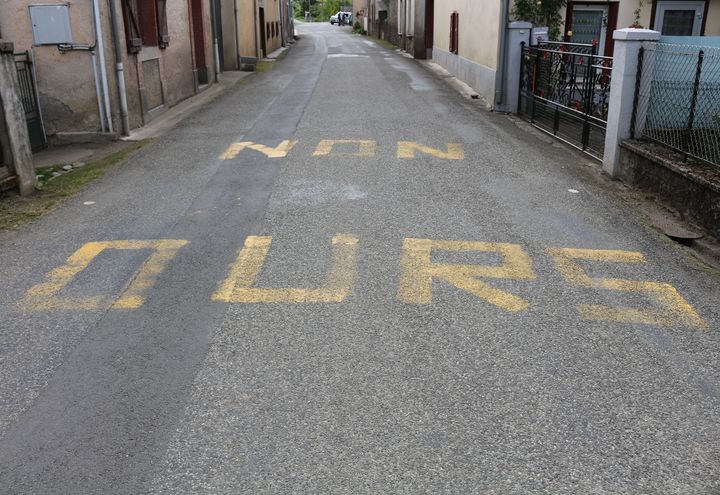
672,309
45,295
238,286
418,271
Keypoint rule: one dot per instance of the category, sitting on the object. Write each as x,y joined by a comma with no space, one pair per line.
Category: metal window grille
678,103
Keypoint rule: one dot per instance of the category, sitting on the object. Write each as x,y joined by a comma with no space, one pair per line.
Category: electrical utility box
539,35
51,24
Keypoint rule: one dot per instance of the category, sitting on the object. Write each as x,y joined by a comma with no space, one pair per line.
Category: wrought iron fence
677,99
565,91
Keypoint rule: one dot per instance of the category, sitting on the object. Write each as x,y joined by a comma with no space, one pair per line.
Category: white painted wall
478,29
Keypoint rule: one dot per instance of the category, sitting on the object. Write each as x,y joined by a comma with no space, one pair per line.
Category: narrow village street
342,276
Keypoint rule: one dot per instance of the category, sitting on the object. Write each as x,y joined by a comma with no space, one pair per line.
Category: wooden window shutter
164,38
454,38
132,25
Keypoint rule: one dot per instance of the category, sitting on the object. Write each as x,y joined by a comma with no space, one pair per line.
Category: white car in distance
335,19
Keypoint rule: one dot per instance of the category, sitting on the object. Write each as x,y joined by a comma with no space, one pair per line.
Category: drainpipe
237,35
119,70
255,17
193,56
502,50
92,49
409,32
214,28
400,20
98,91
282,24
405,19
103,68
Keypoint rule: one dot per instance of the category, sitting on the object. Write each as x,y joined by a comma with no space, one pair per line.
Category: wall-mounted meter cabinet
51,24
539,35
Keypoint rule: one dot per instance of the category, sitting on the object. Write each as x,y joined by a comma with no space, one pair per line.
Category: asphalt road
552,344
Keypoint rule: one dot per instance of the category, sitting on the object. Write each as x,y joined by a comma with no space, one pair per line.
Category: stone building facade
166,50
251,29
404,23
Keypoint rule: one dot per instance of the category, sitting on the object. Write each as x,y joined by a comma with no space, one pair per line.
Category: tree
330,8
541,13
320,10
299,10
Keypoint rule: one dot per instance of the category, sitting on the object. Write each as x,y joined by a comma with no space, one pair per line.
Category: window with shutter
131,15
148,22
457,33
162,25
145,24
454,38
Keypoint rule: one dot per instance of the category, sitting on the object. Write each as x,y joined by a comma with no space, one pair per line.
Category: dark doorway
263,36
29,99
382,21
198,34
429,27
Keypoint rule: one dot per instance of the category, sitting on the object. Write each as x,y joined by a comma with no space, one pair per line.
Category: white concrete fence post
622,91
20,151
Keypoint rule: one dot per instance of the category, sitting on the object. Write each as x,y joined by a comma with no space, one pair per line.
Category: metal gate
565,91
30,100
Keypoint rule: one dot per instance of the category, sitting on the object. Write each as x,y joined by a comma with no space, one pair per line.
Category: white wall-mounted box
539,35
51,24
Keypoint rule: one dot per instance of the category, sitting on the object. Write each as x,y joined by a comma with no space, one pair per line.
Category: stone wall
479,77
692,189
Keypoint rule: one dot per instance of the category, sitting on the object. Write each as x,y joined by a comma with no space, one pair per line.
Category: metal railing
677,100
565,91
